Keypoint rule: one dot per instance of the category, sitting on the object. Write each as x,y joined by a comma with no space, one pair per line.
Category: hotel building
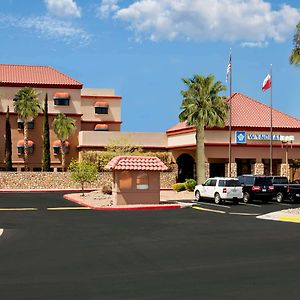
97,113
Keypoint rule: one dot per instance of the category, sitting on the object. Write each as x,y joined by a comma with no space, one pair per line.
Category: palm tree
203,107
27,106
46,138
295,55
63,127
8,143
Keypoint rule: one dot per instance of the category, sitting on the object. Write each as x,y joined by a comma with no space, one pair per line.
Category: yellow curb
18,209
68,208
243,214
210,210
289,219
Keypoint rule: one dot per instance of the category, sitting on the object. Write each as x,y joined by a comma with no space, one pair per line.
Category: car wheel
197,196
279,197
217,198
246,197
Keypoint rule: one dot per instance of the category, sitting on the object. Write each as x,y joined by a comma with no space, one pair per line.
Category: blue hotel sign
241,137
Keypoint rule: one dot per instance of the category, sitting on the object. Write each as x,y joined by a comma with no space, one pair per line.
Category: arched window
125,180
142,181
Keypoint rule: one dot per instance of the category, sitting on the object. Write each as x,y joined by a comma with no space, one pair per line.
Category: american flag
228,67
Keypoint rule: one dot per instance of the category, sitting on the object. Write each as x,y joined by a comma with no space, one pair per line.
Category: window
21,124
101,108
62,99
142,181
125,180
21,149
213,182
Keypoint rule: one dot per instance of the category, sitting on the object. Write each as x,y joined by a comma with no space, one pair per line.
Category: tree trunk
26,149
63,156
200,155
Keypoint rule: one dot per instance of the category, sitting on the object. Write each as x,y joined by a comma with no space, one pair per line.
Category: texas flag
267,83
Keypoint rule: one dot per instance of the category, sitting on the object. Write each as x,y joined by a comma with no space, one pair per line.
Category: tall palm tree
295,55
63,127
8,143
203,107
46,138
27,106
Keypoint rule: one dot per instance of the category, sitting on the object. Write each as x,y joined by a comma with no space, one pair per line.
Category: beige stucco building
97,113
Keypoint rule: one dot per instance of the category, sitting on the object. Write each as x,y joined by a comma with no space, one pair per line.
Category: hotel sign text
263,136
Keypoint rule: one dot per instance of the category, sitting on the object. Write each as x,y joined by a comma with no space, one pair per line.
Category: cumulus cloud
47,27
63,8
251,22
107,7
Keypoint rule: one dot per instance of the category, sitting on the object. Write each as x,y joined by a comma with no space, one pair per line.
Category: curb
135,207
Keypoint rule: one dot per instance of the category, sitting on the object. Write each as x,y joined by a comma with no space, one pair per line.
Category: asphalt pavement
59,250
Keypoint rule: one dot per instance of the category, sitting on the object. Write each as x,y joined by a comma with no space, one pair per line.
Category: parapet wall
58,180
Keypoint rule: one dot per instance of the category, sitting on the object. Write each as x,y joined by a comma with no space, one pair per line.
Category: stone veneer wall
59,180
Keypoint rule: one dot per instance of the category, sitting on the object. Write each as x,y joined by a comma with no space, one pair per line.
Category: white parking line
1,231
250,204
284,204
18,209
213,204
68,208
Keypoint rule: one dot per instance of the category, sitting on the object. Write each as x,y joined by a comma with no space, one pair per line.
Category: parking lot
57,250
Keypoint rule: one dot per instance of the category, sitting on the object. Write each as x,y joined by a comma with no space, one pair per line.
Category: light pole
286,140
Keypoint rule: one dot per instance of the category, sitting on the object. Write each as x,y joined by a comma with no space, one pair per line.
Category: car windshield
263,181
230,182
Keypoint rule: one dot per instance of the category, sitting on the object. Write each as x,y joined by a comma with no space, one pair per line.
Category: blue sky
144,48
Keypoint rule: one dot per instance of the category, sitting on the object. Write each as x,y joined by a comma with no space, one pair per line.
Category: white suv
219,189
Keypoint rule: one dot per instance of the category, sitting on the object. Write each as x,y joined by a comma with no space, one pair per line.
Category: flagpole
271,124
230,129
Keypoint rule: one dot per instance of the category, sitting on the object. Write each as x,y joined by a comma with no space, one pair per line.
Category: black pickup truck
284,190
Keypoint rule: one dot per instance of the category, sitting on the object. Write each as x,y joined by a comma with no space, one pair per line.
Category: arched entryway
186,167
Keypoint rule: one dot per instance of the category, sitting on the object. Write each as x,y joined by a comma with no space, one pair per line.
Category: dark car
256,187
281,187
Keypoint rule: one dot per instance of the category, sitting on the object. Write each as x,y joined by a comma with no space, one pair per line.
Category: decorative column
207,173
233,170
283,170
258,169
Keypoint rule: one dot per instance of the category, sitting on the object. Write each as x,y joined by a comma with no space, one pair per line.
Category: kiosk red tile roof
148,163
247,112
22,75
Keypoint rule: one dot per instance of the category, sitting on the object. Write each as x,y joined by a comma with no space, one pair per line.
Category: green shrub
190,184
178,187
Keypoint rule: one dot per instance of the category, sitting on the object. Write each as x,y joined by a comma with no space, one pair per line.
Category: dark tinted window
263,181
249,180
213,182
280,180
232,183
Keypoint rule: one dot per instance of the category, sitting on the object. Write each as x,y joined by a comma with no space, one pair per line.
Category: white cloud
246,21
107,7
63,8
48,27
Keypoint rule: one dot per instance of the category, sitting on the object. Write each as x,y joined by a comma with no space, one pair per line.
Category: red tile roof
147,163
247,112
35,76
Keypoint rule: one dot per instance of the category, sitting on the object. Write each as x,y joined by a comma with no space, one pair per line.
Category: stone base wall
59,180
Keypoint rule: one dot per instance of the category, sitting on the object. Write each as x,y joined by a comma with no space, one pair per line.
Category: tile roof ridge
23,65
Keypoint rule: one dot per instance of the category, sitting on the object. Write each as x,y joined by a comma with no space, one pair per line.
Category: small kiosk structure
136,179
